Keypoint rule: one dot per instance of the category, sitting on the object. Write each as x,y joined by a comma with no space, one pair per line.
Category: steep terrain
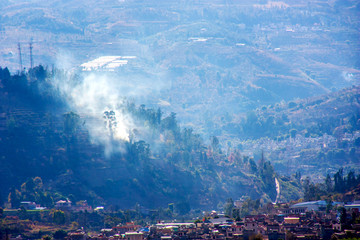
315,135
234,71
42,137
215,60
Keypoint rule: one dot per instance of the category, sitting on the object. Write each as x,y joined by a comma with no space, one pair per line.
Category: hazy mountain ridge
209,63
315,136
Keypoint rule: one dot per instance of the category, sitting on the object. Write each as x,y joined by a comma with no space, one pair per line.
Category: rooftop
106,63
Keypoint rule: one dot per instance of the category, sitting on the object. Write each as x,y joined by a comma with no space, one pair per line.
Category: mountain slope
157,164
229,56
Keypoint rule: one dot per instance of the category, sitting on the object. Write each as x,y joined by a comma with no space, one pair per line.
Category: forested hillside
52,153
205,61
207,101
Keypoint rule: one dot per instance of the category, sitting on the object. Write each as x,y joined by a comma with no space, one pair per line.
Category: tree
197,221
328,184
38,184
339,182
236,214
307,189
46,237
253,166
142,149
60,234
170,123
343,216
71,123
329,205
110,122
14,198
4,74
46,200
5,78
215,144
351,179
171,207
182,207
28,186
252,125
298,176
38,72
58,217
158,116
228,207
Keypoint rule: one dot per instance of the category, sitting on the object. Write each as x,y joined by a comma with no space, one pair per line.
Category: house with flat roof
355,205
134,236
308,206
63,204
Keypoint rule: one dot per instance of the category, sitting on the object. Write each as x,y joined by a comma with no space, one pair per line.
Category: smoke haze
99,97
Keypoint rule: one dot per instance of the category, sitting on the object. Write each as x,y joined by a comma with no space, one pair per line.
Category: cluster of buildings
28,205
300,150
80,206
307,220
61,205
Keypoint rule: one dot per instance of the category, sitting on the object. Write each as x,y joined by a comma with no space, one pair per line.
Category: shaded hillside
54,143
208,62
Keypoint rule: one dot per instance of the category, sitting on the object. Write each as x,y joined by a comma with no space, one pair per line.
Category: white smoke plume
92,94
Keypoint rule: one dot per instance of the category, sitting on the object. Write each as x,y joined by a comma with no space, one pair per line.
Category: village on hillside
304,220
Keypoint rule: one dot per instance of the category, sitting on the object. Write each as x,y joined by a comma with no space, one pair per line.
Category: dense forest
49,153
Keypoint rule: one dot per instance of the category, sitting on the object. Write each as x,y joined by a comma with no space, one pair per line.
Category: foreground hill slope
42,137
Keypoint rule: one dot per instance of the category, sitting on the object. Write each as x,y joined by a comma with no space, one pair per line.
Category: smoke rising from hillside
91,96
98,98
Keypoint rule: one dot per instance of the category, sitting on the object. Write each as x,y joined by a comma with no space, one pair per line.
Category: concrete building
134,236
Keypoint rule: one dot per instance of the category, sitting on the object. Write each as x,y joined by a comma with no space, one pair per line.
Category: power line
31,56
20,59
